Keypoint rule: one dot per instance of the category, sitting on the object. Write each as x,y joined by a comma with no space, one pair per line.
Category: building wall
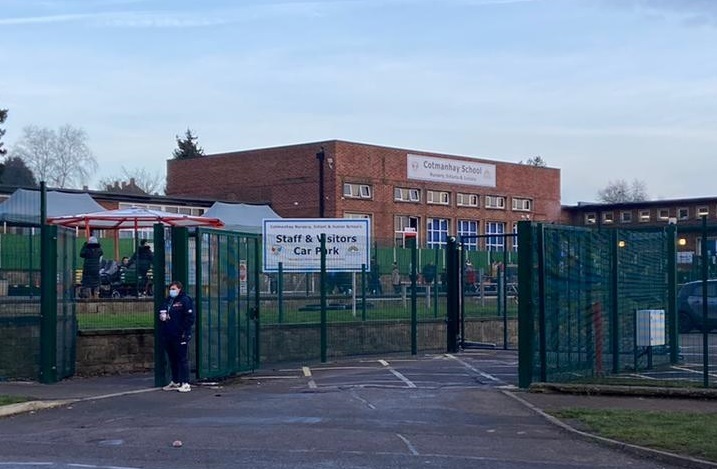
288,177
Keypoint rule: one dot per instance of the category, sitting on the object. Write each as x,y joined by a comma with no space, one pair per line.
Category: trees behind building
622,191
62,158
131,180
187,147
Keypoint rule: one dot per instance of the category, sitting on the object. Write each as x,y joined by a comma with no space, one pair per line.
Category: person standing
91,252
143,257
396,279
176,318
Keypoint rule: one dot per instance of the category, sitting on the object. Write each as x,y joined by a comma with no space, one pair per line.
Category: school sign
296,244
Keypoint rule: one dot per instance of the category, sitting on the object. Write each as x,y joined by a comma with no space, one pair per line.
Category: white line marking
383,362
638,375
694,371
306,370
312,384
410,447
402,378
473,369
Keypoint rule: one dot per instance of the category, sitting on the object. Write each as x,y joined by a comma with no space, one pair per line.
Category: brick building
436,194
685,213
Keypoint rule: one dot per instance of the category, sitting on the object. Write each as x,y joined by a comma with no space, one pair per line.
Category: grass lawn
380,310
678,432
5,400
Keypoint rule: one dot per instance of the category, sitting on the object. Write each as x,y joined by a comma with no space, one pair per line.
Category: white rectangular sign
426,168
296,243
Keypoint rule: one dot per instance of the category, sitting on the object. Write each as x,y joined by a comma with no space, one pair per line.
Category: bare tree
621,191
146,181
62,158
75,163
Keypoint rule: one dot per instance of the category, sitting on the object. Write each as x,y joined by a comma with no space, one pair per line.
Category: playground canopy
131,218
244,218
23,206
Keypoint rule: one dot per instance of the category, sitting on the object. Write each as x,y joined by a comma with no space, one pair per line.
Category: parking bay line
397,374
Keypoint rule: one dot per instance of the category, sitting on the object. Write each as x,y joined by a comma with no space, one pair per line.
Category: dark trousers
178,360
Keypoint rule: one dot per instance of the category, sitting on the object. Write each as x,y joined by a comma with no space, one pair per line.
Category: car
689,306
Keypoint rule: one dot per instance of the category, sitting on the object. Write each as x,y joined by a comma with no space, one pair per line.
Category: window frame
498,199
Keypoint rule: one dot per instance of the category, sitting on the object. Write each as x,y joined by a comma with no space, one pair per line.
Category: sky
601,89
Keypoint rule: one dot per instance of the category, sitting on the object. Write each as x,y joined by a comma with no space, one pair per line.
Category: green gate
227,302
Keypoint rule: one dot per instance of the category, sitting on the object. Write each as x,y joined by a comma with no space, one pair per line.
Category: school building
397,189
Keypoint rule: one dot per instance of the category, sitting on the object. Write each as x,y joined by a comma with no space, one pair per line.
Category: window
590,219
663,214
404,194
495,243
625,217
522,205
608,217
400,223
466,200
468,228
703,211
644,216
494,201
357,215
357,191
438,197
437,232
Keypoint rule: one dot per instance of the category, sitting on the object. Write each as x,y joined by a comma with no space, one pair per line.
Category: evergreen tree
187,147
3,116
15,173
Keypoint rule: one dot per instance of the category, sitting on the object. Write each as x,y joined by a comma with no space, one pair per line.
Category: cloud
689,12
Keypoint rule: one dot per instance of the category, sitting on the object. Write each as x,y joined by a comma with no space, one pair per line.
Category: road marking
402,378
473,369
312,384
694,371
368,404
410,447
306,370
383,362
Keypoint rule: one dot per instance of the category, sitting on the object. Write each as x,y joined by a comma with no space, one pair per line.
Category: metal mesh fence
597,303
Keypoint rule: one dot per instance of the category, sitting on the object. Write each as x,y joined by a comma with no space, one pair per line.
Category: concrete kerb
33,406
659,455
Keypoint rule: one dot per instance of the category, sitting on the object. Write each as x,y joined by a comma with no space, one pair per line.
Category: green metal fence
599,302
226,280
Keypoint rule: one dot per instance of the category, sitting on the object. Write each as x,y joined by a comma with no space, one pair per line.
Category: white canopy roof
241,217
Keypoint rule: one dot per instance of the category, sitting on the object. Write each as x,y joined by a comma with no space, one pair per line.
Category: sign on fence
296,243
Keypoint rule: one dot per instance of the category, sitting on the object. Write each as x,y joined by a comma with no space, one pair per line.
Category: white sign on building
426,168
296,243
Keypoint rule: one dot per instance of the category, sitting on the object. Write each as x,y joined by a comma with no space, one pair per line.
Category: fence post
158,277
363,292
180,257
505,297
615,302
198,294
48,294
705,329
256,310
323,299
280,291
541,304
672,319
414,312
453,293
525,304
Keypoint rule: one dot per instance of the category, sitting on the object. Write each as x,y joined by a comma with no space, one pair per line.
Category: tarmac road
435,411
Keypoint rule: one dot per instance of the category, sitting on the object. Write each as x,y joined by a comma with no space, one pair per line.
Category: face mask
173,293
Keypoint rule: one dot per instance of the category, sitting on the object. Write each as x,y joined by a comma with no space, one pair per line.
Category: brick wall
288,177
130,351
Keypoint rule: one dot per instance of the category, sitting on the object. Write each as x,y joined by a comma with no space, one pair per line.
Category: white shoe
185,387
171,386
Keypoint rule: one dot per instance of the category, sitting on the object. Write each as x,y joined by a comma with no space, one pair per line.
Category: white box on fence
650,327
